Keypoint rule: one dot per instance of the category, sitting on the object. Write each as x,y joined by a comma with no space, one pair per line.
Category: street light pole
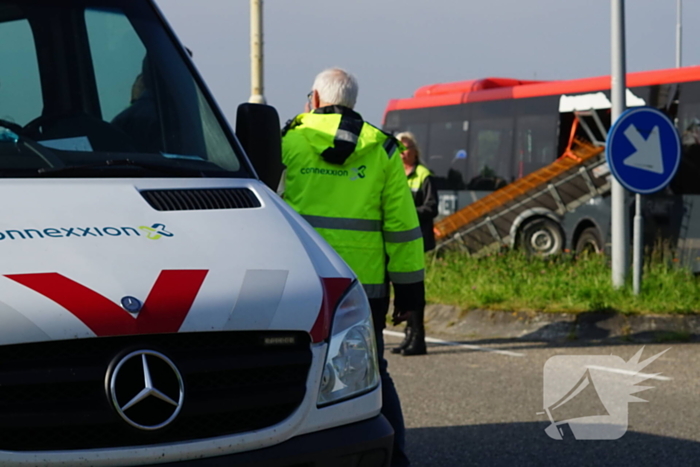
618,86
256,52
679,32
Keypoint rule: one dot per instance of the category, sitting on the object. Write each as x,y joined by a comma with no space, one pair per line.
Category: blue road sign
643,150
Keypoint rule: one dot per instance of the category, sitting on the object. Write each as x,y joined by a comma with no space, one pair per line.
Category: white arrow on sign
648,151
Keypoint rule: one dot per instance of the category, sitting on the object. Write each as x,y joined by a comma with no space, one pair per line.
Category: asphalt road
464,407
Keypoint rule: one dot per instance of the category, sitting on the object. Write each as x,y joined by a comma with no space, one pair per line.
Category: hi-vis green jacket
346,178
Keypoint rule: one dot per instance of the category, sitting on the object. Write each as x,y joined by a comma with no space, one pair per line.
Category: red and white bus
479,135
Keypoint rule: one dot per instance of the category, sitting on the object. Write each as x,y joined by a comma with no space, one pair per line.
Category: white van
159,304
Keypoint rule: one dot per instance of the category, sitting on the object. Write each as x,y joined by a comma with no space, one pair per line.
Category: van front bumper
362,444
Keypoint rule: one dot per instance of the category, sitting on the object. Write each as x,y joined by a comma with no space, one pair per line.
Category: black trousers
391,405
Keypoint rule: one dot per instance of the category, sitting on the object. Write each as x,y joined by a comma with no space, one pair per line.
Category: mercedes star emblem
131,304
146,389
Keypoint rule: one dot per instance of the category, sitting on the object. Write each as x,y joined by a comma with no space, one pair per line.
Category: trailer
528,212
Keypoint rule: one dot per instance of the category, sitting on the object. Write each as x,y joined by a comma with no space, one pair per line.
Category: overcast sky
396,46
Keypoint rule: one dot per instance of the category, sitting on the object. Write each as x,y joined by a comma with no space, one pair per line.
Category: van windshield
99,88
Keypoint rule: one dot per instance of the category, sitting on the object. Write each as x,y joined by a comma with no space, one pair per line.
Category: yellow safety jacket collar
346,136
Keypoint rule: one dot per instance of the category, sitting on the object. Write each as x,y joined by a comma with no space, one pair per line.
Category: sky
394,47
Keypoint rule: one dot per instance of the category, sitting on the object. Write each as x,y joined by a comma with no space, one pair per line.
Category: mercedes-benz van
159,304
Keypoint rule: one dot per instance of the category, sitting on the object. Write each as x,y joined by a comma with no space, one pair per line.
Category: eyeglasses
309,98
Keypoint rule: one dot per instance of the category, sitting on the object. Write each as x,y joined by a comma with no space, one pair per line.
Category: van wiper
13,127
16,135
90,168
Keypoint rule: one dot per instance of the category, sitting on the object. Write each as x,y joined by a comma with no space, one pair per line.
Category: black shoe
417,347
416,344
406,340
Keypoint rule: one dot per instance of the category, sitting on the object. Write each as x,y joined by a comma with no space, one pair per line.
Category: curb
559,327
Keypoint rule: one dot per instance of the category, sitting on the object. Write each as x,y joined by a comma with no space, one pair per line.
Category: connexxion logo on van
154,232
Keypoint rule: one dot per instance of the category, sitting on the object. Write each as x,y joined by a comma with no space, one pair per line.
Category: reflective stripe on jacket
346,178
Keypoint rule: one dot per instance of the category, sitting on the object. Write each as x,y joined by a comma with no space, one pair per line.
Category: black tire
541,237
589,242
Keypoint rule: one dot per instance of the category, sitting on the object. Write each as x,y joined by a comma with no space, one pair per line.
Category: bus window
535,143
491,153
685,181
447,154
20,88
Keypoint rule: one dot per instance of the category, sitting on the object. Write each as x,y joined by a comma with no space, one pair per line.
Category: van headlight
351,367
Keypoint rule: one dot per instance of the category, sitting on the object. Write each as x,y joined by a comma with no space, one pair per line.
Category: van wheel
589,242
542,237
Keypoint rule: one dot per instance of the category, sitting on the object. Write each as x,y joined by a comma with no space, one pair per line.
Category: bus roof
490,89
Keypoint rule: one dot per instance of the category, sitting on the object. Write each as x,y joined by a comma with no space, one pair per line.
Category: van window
117,97
20,90
117,57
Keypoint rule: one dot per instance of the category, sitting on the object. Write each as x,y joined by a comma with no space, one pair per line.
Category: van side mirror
258,130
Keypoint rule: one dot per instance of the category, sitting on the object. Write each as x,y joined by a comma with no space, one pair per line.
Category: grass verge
512,282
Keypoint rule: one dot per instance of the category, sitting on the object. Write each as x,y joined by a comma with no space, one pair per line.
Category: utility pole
618,86
257,95
679,32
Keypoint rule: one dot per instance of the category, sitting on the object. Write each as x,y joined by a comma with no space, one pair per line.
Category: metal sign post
679,32
643,152
618,87
637,245
256,52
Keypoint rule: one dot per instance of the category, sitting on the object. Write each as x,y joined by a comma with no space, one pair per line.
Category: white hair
336,86
412,138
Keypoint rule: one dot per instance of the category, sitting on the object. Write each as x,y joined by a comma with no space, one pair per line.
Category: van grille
201,199
53,395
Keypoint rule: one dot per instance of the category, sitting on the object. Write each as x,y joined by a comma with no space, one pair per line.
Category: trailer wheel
589,242
542,237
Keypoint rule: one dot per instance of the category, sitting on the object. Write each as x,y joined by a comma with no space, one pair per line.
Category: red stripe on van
333,290
164,310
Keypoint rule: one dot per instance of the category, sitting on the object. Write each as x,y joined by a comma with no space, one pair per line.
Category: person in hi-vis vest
346,178
420,182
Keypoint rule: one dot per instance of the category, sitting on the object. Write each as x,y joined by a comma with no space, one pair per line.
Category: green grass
512,282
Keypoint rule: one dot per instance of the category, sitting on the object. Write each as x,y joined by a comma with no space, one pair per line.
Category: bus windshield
99,88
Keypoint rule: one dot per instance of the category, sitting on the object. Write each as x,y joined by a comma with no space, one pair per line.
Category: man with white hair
346,178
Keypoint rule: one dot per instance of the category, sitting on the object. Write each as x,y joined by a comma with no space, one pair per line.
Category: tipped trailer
529,211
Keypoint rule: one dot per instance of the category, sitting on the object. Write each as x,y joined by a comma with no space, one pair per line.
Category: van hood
84,258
